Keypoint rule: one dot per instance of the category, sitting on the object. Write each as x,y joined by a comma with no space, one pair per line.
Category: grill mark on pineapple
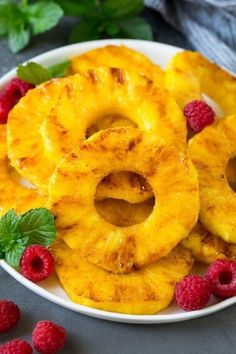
69,89
91,75
134,142
118,75
200,164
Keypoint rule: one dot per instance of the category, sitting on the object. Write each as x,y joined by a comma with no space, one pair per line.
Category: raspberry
17,88
37,263
198,115
13,91
193,292
6,104
9,315
222,275
16,346
48,337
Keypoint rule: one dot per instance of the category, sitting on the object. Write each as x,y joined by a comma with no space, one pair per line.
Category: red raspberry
198,115
17,88
48,337
6,104
16,346
9,315
37,263
193,292
222,275
13,91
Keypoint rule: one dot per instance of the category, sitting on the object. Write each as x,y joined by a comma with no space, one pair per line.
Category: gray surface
210,335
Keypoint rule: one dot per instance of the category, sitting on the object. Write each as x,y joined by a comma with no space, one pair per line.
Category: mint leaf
38,226
9,229
44,15
121,8
59,70
84,31
135,27
77,8
33,73
19,36
2,256
13,256
3,21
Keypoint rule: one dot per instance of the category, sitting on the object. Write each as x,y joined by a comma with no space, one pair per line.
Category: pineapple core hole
132,187
109,121
231,173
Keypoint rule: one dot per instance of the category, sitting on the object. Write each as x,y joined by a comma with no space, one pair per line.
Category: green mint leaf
9,229
135,27
59,70
2,255
3,21
38,226
112,29
19,36
44,15
78,8
121,8
33,73
84,32
13,256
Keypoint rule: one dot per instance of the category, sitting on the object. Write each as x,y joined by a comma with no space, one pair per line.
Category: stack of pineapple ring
106,150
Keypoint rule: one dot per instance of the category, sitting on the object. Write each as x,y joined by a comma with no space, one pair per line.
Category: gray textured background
210,335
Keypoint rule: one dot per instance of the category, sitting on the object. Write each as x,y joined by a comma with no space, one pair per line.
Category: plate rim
85,310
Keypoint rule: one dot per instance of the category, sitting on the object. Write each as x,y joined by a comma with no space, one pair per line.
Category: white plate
51,289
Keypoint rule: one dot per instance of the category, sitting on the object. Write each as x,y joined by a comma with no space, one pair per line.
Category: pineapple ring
189,75
134,97
210,151
118,57
27,155
25,144
12,193
206,247
121,250
147,291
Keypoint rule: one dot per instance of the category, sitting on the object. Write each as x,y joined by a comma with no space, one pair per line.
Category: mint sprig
35,74
36,226
20,20
96,18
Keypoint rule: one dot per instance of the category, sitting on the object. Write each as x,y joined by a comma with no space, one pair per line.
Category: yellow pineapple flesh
168,171
189,75
96,94
13,194
143,292
206,247
121,213
27,153
210,151
117,57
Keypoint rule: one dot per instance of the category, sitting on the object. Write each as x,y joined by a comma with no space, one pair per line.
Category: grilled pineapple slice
210,151
25,144
132,98
167,169
143,292
121,213
103,92
189,75
206,247
12,193
118,57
